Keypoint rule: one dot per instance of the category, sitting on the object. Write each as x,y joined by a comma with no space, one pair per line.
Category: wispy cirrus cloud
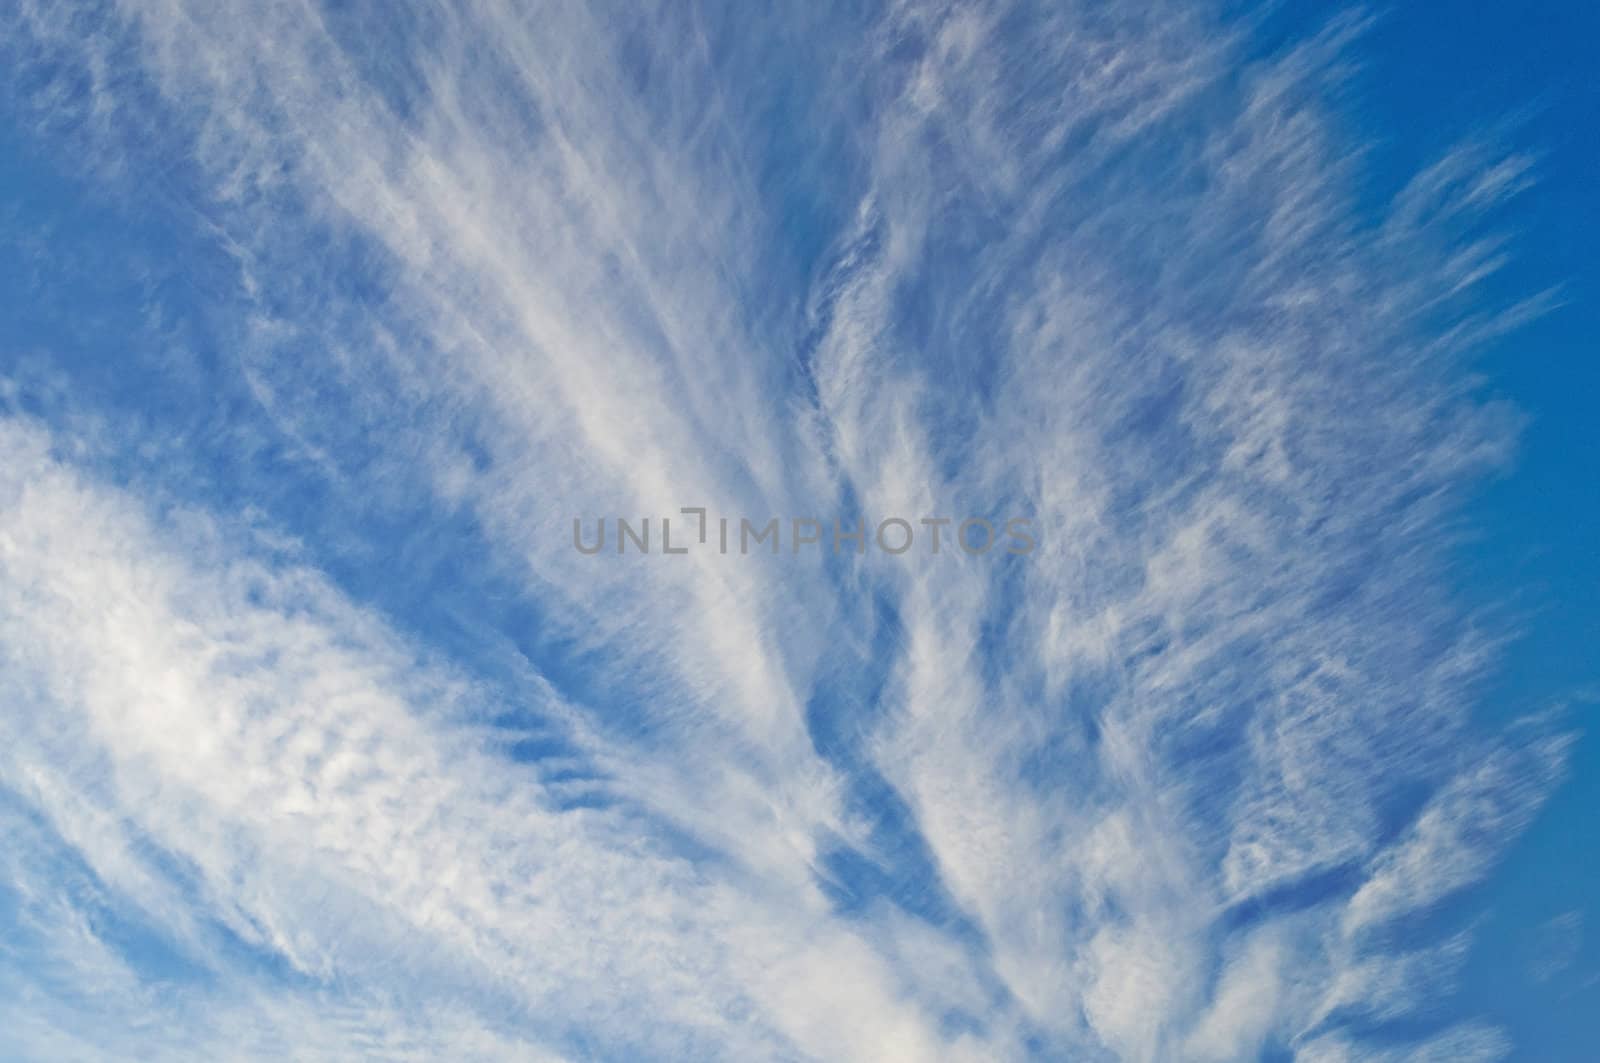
1162,791
223,735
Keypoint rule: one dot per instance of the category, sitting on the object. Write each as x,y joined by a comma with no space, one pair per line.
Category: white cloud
1153,768
315,780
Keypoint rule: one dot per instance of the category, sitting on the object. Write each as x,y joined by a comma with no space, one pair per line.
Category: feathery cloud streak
1172,788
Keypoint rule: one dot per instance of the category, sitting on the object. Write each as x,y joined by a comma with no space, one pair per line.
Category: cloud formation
321,739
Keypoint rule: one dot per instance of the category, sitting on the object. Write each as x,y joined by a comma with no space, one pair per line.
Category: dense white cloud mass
381,767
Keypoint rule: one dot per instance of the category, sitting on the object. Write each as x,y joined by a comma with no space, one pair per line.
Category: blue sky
321,323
